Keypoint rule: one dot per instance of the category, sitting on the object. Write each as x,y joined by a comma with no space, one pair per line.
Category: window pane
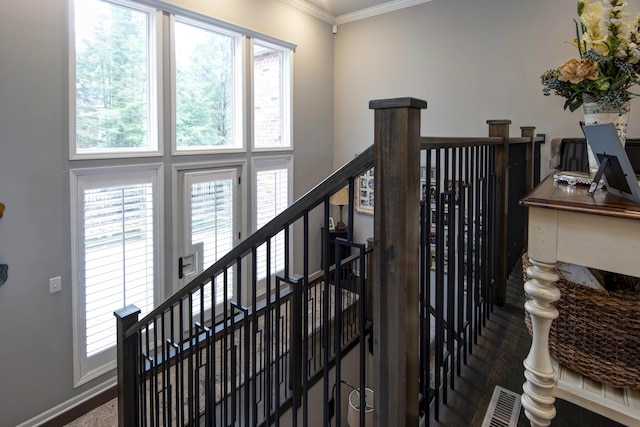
204,88
112,78
268,97
118,258
272,198
212,225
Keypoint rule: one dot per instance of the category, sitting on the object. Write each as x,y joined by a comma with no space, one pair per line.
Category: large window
115,108
115,257
272,196
141,80
204,87
270,97
209,204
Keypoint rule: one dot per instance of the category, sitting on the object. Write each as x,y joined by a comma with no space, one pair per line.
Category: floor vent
503,410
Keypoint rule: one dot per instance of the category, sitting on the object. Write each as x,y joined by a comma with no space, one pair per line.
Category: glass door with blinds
209,229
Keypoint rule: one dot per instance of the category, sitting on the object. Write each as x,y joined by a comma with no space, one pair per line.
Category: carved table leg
538,400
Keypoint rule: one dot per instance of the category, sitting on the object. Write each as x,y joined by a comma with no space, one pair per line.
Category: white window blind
115,223
272,197
211,224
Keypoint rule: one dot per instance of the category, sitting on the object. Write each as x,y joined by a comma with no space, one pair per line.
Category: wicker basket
597,333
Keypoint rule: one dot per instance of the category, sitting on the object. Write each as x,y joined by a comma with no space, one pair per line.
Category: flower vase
597,113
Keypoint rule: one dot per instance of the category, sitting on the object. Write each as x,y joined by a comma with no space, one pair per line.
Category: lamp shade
340,198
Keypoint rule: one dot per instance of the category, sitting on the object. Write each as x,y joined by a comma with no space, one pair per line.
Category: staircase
305,333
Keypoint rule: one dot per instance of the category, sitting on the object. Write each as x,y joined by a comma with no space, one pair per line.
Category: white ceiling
343,11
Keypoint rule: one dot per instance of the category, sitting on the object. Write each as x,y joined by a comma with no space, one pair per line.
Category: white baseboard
68,405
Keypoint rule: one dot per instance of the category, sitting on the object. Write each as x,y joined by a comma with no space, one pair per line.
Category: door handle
181,266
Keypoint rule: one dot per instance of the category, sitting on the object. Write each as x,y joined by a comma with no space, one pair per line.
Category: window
116,247
204,82
270,69
209,200
272,196
115,112
123,53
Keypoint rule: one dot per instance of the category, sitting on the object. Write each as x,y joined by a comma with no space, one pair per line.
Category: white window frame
238,89
86,369
240,201
155,87
286,94
271,163
164,155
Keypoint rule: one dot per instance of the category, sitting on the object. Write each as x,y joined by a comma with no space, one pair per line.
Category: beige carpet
103,416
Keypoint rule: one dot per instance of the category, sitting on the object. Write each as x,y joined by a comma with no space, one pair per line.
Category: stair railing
226,364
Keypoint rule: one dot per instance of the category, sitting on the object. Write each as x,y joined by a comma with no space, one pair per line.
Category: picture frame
619,176
364,194
332,225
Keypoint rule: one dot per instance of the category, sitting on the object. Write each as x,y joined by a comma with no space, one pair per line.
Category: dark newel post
528,132
396,270
127,360
500,128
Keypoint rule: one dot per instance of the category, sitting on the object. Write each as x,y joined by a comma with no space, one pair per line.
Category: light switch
55,284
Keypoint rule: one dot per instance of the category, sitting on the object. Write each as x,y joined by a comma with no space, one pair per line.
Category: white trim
68,405
189,13
353,16
377,10
311,10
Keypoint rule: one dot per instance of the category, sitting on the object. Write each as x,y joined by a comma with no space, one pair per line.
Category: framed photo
611,157
332,225
364,193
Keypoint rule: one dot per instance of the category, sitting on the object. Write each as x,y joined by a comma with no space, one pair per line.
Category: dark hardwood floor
497,360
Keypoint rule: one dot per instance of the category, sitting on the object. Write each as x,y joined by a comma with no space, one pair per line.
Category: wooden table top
574,198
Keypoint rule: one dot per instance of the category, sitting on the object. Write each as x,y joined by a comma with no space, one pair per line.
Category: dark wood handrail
433,142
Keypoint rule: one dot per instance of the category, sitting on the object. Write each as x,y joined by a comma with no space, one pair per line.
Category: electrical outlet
55,284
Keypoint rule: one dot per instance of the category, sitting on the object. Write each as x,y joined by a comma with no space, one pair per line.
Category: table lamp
340,199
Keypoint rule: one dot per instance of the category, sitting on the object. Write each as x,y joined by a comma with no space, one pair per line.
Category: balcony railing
413,300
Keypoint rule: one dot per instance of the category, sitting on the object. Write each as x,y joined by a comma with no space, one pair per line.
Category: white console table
603,231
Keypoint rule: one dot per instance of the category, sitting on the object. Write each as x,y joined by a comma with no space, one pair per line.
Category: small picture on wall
364,193
332,225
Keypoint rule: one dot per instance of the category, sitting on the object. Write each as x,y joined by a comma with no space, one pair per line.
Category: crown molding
311,10
377,10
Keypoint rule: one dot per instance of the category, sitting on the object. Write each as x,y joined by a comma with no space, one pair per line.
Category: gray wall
470,60
36,361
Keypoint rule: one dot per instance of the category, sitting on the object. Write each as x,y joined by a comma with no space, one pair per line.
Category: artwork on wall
364,193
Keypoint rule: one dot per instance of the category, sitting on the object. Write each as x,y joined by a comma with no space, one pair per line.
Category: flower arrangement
609,61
